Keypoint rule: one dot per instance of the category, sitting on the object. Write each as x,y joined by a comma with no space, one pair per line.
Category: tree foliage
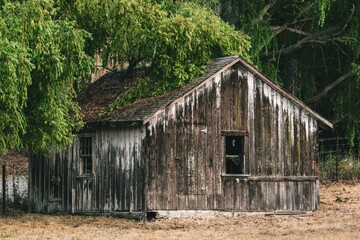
310,47
45,48
42,59
173,41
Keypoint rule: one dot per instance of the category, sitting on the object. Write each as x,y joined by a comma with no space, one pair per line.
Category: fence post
337,158
4,187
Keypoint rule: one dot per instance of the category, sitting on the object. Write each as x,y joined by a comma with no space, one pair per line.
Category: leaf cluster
174,41
42,60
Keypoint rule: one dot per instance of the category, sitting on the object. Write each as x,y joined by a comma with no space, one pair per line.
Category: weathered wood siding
116,183
185,155
176,161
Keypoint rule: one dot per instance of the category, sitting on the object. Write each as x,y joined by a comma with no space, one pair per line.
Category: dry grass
338,218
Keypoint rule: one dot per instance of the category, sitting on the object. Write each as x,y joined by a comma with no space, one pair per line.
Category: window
86,155
234,152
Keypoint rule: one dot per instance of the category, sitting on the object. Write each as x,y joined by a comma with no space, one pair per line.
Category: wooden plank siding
280,142
116,185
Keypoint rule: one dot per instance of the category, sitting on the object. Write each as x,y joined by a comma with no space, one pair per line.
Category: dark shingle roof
95,99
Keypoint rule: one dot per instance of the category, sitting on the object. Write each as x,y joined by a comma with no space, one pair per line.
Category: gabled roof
95,99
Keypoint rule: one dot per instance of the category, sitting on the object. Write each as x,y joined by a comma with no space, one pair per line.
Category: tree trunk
292,76
228,12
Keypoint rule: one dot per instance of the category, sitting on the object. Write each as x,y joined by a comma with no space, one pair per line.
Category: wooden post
337,158
4,187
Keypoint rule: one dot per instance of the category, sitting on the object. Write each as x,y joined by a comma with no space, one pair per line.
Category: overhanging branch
320,37
328,88
352,111
293,30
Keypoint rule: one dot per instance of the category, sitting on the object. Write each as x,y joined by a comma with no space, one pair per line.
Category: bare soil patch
338,218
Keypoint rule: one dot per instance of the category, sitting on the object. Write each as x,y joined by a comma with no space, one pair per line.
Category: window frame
236,133
90,155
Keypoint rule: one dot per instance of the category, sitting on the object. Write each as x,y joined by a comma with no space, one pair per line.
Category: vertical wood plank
266,131
171,160
201,153
251,123
219,145
210,143
259,130
228,194
280,136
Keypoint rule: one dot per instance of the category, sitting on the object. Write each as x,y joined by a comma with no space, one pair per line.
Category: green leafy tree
45,48
42,61
174,41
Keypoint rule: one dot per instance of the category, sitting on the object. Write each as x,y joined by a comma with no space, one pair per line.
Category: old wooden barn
232,140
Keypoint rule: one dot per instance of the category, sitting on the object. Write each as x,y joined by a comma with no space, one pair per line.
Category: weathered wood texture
116,184
185,159
176,160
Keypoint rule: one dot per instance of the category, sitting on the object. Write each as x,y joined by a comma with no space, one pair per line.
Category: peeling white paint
266,90
280,128
250,97
217,81
291,123
305,122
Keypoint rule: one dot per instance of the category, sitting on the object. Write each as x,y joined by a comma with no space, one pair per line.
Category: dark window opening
55,187
56,191
86,155
234,155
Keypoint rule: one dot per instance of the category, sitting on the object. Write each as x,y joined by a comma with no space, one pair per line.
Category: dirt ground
338,218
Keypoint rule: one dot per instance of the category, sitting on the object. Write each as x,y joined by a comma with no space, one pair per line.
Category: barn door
55,183
191,143
84,194
190,165
85,181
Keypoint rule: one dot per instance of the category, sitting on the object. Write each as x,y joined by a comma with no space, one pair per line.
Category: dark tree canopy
310,47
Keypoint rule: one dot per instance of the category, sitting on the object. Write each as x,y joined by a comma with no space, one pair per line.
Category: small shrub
327,168
349,167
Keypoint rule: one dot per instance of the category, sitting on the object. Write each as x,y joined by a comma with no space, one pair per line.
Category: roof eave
115,123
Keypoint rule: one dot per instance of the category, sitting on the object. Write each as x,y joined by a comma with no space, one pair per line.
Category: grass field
338,218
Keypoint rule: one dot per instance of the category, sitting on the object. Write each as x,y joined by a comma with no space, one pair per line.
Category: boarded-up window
234,154
86,155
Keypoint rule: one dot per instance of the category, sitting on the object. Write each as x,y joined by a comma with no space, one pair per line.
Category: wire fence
338,159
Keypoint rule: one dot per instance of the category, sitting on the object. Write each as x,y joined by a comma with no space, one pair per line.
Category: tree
45,48
42,59
310,47
174,41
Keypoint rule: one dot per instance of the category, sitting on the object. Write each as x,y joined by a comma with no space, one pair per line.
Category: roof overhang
115,124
